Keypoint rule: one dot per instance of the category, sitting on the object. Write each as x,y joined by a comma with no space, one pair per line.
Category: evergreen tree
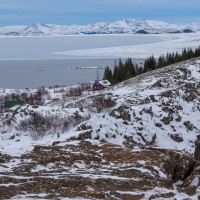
197,52
129,68
190,53
126,70
161,62
115,74
120,71
177,58
184,55
150,64
108,74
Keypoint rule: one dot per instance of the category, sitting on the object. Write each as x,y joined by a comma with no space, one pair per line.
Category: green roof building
10,104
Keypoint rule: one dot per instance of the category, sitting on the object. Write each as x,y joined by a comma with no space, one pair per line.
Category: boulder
197,149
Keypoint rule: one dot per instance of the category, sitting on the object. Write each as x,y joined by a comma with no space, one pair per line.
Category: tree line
125,70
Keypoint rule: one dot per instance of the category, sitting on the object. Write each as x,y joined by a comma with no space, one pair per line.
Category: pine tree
184,55
120,71
150,64
123,71
108,74
161,62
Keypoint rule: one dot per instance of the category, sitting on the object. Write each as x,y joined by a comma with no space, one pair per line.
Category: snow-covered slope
159,108
121,26
134,140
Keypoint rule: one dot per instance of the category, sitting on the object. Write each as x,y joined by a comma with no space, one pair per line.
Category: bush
39,125
37,98
101,103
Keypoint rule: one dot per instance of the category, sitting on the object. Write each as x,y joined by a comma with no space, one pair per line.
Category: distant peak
39,25
126,25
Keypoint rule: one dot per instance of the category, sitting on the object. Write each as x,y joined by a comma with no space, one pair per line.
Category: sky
28,12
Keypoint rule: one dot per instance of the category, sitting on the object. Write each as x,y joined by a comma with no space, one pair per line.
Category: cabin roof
104,83
10,104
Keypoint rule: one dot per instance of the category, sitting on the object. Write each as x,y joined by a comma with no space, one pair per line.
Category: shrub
39,125
101,103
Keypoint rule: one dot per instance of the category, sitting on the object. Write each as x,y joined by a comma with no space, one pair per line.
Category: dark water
36,73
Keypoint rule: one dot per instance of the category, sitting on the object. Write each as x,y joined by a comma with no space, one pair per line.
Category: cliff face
141,141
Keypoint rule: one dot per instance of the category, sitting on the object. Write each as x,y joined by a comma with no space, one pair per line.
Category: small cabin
100,85
9,104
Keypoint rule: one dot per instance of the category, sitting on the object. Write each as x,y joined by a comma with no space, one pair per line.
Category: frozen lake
37,73
18,74
14,48
45,61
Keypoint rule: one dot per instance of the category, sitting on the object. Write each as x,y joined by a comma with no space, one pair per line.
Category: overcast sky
28,12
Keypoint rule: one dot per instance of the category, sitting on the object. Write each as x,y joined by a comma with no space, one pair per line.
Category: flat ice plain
44,61
69,47
109,46
144,46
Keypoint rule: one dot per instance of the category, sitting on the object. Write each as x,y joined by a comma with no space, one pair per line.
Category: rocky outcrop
197,149
178,166
189,125
176,137
88,170
121,112
151,121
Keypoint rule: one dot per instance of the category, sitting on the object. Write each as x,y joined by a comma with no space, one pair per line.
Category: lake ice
44,61
54,46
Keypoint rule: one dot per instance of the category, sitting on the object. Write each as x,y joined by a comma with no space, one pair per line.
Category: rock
190,190
178,107
84,127
146,141
162,196
125,123
121,112
4,158
167,109
179,166
188,125
176,137
168,94
193,179
129,142
153,99
189,97
158,124
12,137
167,120
157,84
149,111
185,72
197,149
84,136
145,101
116,169
178,119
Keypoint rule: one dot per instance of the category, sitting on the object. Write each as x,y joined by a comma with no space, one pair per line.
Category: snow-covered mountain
121,26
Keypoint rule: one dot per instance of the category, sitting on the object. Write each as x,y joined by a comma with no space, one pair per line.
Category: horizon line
85,24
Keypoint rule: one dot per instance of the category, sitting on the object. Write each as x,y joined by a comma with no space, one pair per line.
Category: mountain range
131,26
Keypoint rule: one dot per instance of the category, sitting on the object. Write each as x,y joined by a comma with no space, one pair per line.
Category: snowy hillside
152,106
121,26
159,108
135,140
